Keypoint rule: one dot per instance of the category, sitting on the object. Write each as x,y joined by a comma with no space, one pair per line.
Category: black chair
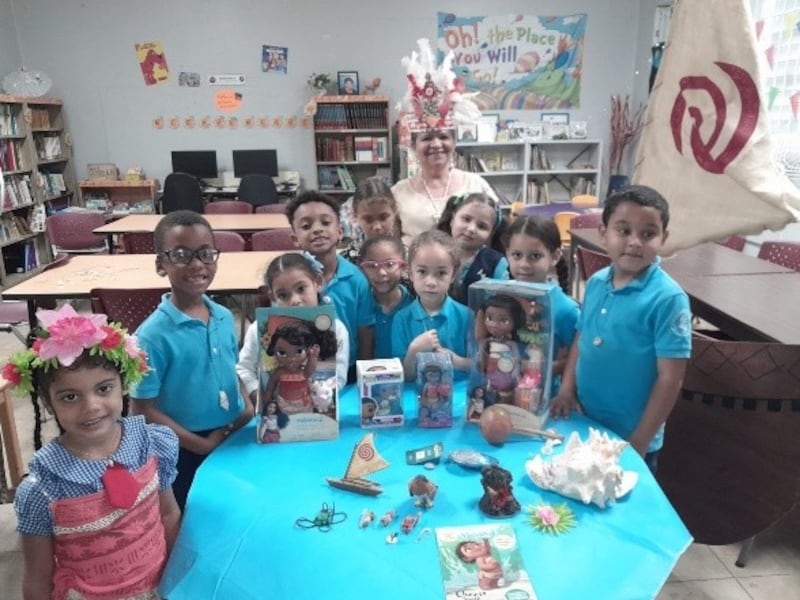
258,190
181,192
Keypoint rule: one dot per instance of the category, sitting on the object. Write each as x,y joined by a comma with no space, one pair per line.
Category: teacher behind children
431,109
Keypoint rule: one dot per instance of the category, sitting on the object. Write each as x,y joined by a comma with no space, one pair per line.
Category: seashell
586,471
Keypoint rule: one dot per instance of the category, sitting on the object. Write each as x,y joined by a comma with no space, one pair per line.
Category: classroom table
238,539
240,223
548,211
237,273
748,298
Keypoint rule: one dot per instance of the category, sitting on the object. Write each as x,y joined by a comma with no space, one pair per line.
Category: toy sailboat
364,460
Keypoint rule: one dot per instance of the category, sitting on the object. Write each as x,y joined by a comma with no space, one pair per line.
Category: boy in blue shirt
314,218
627,362
192,349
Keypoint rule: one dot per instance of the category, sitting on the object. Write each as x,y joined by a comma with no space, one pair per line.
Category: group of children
622,359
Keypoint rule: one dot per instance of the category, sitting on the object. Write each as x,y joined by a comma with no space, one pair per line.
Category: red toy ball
496,424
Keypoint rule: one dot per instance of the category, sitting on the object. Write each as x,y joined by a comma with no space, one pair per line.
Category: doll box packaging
511,341
380,387
434,389
297,392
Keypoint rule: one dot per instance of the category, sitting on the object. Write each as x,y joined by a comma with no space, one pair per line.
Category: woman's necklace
437,207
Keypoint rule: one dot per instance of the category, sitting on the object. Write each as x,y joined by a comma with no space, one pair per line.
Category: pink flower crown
64,335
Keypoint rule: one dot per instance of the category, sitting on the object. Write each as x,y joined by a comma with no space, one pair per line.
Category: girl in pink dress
96,516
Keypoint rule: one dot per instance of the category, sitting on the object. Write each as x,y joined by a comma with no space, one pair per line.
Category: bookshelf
35,158
536,172
352,141
120,196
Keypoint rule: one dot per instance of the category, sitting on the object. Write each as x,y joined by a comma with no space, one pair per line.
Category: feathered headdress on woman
435,98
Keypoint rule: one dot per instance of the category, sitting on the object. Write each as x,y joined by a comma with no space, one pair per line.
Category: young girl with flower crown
97,516
477,226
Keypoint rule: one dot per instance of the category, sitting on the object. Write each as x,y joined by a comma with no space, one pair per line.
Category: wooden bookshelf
352,141
36,163
121,196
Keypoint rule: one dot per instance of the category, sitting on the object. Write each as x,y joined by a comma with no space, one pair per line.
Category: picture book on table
511,341
297,393
482,561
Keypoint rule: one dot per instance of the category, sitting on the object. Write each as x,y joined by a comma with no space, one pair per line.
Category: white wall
87,46
9,49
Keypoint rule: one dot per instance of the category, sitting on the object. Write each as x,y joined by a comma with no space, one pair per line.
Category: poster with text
274,59
516,61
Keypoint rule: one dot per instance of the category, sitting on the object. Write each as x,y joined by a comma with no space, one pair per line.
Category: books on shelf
48,147
346,179
351,115
371,148
17,192
11,158
40,118
8,120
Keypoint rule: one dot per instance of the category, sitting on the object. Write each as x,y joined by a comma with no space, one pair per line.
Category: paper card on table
482,561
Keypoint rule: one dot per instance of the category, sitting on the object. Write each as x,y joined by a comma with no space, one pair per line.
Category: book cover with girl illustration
297,394
482,561
511,340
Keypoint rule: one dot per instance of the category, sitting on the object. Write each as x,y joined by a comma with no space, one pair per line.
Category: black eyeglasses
183,256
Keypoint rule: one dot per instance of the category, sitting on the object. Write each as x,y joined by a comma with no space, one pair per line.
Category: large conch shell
586,471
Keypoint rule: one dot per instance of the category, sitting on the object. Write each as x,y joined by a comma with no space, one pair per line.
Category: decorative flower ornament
64,335
551,519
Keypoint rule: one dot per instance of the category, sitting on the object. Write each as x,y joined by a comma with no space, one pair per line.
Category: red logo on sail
748,117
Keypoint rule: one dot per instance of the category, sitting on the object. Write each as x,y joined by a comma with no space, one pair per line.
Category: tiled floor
703,573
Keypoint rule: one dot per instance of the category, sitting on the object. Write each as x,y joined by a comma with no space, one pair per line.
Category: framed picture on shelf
348,82
467,133
556,117
487,127
556,125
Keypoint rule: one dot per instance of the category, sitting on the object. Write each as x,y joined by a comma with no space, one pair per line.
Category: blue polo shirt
191,363
383,324
565,317
623,333
451,323
350,293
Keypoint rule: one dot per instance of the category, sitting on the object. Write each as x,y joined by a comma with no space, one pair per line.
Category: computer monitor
255,162
200,163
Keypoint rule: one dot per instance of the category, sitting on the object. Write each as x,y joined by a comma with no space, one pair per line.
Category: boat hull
359,486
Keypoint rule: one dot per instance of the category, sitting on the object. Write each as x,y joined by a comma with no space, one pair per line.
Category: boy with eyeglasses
192,349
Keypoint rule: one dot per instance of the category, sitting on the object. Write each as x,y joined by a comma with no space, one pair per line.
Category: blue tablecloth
239,541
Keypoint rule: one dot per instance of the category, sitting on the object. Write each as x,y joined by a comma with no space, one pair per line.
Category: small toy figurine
391,538
366,518
410,522
434,383
388,517
325,519
490,572
497,499
424,489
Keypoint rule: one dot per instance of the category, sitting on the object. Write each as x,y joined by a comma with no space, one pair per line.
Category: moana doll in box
500,349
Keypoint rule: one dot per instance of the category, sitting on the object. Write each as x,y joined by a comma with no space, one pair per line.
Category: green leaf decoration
551,519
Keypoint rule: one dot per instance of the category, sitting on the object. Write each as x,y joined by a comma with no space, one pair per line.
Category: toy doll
477,403
499,360
424,490
434,398
273,420
368,408
295,349
490,572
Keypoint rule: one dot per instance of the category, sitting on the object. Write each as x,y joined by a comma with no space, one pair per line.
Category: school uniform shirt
383,324
192,366
350,293
488,262
451,323
623,333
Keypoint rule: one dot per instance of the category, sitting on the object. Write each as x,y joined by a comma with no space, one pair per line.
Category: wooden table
748,298
237,273
240,223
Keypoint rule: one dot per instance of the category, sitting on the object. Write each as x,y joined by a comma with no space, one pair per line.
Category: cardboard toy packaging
511,342
380,387
297,394
434,389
